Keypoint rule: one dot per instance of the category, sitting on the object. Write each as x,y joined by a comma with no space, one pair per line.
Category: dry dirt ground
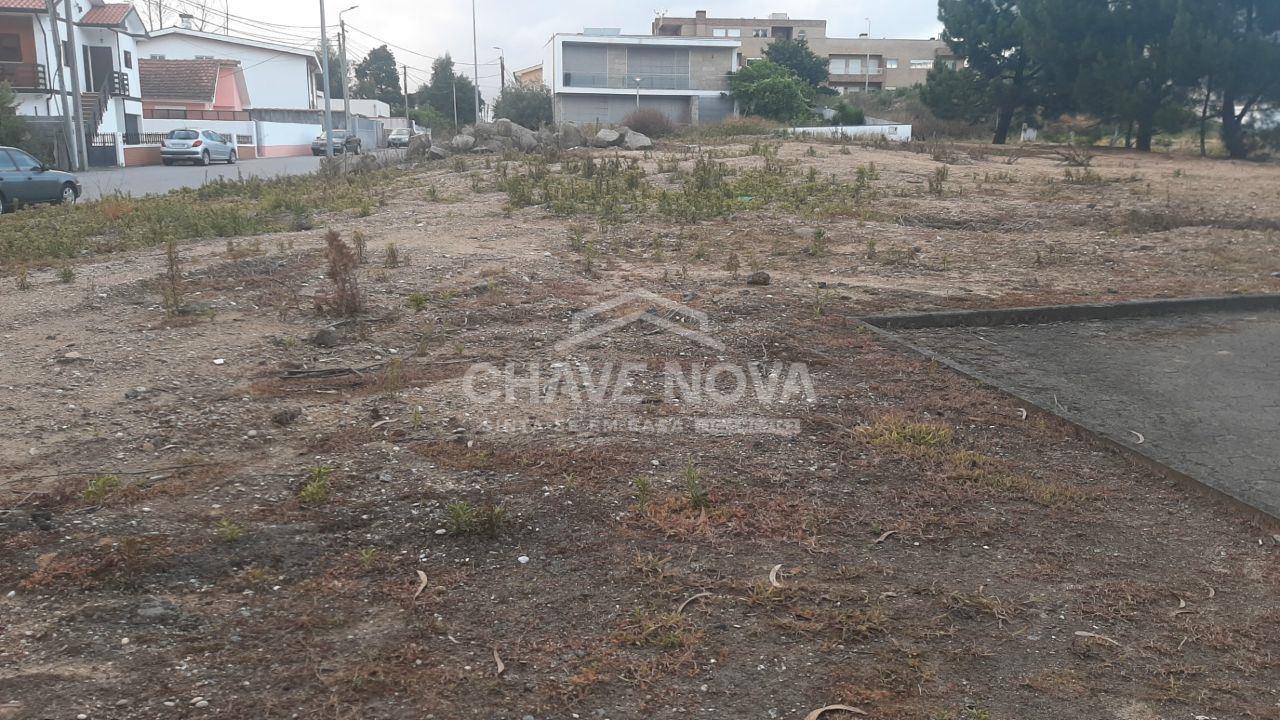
185,532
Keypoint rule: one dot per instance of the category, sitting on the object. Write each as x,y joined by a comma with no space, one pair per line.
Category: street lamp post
638,93
475,60
866,78
324,70
342,51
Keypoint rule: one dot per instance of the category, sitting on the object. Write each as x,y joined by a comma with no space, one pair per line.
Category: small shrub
937,182
465,518
66,275
696,493
346,299
418,301
391,256
228,531
99,488
172,289
649,121
23,280
316,489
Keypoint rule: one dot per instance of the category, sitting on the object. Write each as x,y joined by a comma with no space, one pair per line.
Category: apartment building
601,75
855,64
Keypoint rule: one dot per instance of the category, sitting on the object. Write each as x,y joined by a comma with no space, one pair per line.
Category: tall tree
796,56
336,78
1119,60
956,94
769,90
439,94
378,77
1243,36
989,34
527,105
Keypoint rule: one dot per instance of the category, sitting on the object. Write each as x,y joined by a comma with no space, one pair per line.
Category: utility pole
82,141
502,69
404,87
342,54
328,105
475,59
454,80
68,127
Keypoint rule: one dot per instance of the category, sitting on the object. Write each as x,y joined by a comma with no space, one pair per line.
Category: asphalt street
154,179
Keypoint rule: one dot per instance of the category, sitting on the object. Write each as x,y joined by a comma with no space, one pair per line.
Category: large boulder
462,143
636,141
570,136
437,152
481,131
418,147
525,139
606,138
495,144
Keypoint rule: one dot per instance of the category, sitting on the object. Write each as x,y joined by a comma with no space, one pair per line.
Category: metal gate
102,151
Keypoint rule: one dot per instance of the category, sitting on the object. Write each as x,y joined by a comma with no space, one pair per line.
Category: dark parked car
343,142
399,138
197,146
25,180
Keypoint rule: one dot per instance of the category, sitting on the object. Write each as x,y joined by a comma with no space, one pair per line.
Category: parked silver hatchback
197,146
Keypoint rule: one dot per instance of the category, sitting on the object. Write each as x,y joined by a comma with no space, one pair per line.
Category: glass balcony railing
646,81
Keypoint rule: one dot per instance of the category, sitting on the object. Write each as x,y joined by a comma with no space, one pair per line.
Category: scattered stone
637,141
326,337
219,361
759,278
285,416
606,138
570,136
437,152
134,393
462,143
523,559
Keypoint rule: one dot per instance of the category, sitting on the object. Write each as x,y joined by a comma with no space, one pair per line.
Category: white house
602,75
277,76
104,38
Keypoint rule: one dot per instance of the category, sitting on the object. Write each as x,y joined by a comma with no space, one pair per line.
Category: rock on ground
606,138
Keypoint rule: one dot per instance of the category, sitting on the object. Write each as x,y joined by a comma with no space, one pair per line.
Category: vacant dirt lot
194,523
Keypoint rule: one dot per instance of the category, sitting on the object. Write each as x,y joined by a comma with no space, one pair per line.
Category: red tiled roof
180,79
109,14
22,5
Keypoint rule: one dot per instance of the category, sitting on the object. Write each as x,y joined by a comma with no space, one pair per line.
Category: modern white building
277,76
104,38
601,75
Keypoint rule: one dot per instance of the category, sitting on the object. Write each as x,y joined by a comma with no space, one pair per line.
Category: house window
719,32
66,53
735,32
156,57
800,34
921,64
891,63
128,59
10,48
760,32
204,57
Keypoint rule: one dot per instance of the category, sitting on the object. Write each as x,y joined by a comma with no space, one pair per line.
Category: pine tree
378,77
989,34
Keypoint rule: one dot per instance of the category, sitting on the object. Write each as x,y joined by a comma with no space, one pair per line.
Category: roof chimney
700,14
185,20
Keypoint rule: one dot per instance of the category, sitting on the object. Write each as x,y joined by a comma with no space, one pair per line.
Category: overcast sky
521,27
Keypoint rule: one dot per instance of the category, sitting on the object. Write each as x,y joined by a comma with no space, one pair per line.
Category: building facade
601,76
276,76
104,38
855,64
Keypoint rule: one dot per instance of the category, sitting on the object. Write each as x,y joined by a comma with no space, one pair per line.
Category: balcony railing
648,81
23,76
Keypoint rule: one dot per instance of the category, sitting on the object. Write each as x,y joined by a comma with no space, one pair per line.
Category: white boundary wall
897,133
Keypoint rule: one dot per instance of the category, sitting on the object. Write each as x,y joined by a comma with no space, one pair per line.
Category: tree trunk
1003,121
1146,130
1232,132
1204,114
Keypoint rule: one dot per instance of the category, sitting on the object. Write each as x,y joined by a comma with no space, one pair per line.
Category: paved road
152,179
1202,389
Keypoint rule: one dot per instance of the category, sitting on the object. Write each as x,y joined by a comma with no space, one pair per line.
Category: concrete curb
1266,516
1067,313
